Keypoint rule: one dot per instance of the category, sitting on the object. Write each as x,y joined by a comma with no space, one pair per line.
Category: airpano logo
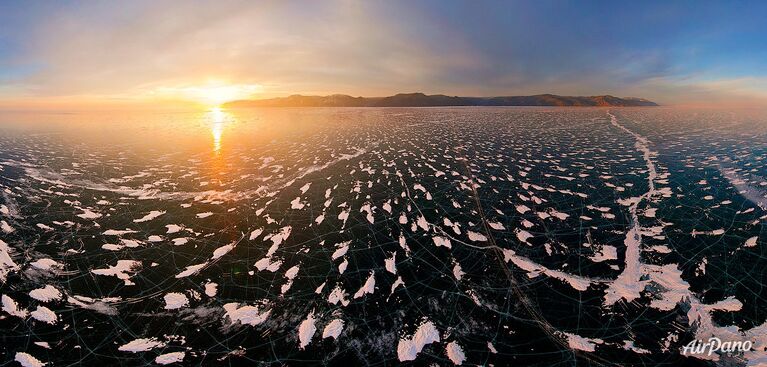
716,345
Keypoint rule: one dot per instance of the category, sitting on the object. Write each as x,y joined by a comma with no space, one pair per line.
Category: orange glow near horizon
211,95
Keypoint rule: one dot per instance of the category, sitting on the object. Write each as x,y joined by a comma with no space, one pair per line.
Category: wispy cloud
126,51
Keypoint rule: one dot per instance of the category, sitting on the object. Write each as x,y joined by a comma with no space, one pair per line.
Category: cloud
278,46
361,48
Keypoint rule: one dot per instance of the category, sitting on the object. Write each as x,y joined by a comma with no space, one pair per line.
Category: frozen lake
525,236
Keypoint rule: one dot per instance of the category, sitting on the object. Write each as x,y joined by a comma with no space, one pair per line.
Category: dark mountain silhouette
423,100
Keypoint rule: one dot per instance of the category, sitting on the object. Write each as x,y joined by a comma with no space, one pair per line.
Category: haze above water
452,235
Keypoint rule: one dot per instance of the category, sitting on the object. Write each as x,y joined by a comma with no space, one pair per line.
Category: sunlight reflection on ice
218,118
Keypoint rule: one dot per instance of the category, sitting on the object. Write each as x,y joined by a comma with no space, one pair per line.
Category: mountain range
423,100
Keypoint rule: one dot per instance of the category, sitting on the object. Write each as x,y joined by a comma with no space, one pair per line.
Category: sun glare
217,115
211,95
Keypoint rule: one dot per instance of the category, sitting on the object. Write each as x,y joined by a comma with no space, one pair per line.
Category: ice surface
476,236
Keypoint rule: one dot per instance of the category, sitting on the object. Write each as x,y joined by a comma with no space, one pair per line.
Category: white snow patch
533,269
180,241
117,232
292,272
297,204
423,223
255,233
46,294
246,315
367,209
27,360
221,251
408,348
491,348
6,263
751,242
88,214
12,308
149,216
175,301
457,271
141,345
191,270
496,226
333,329
607,252
168,358
123,270
397,283
5,227
523,235
368,287
341,249
391,263
338,295
44,314
130,243
306,331
211,289
342,266
578,342
441,241
476,237
173,228
455,353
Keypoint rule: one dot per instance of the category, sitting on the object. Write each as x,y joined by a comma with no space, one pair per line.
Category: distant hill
423,100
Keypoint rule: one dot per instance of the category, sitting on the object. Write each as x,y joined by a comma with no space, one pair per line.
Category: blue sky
681,52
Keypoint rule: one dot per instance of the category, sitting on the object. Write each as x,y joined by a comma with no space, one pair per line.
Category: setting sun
211,95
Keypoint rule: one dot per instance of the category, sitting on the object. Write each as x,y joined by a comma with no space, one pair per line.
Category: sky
96,53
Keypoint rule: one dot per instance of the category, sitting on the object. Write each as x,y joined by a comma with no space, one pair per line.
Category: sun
211,95
217,95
